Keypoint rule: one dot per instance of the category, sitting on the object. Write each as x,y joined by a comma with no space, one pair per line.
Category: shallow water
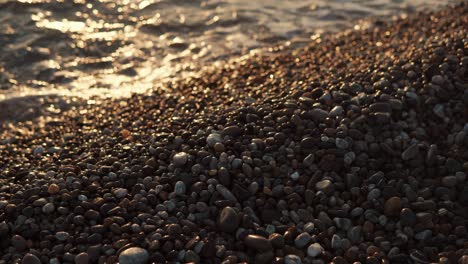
113,48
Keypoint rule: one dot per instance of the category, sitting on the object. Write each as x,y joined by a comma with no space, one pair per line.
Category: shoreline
351,150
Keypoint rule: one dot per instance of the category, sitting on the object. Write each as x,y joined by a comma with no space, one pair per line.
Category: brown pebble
53,189
393,206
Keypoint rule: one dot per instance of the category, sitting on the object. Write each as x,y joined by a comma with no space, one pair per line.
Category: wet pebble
134,255
228,220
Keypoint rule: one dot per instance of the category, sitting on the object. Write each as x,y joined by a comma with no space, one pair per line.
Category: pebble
228,220
212,139
48,208
449,181
258,243
19,243
302,240
260,162
180,159
53,189
336,242
292,259
82,258
393,206
179,188
309,160
226,193
30,259
233,131
411,152
326,186
120,193
314,250
62,236
134,255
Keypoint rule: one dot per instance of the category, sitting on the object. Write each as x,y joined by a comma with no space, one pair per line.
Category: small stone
349,157
226,193
48,208
449,181
355,234
264,257
302,240
336,111
233,131
295,176
309,160
212,139
439,110
318,115
120,193
134,255
411,152
336,242
407,217
423,235
53,189
393,206
179,188
19,243
82,258
62,236
381,107
341,143
276,240
180,159
258,242
314,250
437,79
309,227
38,150
191,256
326,186
292,259
228,220
30,259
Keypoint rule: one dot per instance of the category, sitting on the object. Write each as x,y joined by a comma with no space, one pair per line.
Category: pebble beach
352,149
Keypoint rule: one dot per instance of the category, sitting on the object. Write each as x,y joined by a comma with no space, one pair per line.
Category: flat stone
134,255
228,220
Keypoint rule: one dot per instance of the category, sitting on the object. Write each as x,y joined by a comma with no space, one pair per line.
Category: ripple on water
114,48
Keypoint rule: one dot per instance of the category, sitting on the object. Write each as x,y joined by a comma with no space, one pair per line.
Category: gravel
328,153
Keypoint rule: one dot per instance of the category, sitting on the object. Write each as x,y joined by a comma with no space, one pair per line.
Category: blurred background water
114,47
